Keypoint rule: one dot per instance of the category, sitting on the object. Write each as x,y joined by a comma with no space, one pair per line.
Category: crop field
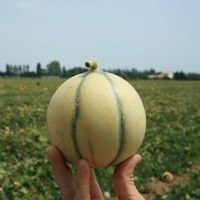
172,141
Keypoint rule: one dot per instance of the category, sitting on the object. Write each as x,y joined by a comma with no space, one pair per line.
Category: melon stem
91,64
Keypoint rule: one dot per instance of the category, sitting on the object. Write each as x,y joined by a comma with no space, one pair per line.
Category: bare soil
160,188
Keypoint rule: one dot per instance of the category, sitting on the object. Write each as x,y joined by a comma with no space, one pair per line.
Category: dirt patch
160,188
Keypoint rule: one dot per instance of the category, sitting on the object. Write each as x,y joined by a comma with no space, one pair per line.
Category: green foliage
53,68
39,70
171,142
72,72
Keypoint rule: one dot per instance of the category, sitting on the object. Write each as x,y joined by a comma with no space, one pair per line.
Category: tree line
54,69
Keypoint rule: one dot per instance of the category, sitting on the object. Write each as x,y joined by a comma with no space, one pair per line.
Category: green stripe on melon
97,116
122,128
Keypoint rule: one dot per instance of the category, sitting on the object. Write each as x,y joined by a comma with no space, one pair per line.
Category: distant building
162,75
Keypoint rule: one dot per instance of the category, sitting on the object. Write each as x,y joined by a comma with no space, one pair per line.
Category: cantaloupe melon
97,116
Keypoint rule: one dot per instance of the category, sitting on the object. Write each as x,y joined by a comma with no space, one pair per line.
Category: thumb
124,181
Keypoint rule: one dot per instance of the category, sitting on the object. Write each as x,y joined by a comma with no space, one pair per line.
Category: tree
193,76
53,68
20,69
64,73
39,70
179,75
25,69
8,69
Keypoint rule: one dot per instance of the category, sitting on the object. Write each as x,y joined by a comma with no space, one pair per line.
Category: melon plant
97,116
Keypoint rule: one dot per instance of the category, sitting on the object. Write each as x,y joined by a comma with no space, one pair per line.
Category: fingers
87,186
95,189
62,172
84,187
124,181
83,181
127,167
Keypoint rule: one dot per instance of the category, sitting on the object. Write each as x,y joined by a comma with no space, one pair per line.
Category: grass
171,142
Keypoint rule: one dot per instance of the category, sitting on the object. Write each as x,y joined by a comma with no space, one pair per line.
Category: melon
97,116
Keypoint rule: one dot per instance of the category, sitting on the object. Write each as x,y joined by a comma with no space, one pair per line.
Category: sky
141,34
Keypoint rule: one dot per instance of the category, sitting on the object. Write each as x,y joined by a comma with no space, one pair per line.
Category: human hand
84,186
124,180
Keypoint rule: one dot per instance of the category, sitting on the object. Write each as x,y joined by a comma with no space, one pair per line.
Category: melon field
172,141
